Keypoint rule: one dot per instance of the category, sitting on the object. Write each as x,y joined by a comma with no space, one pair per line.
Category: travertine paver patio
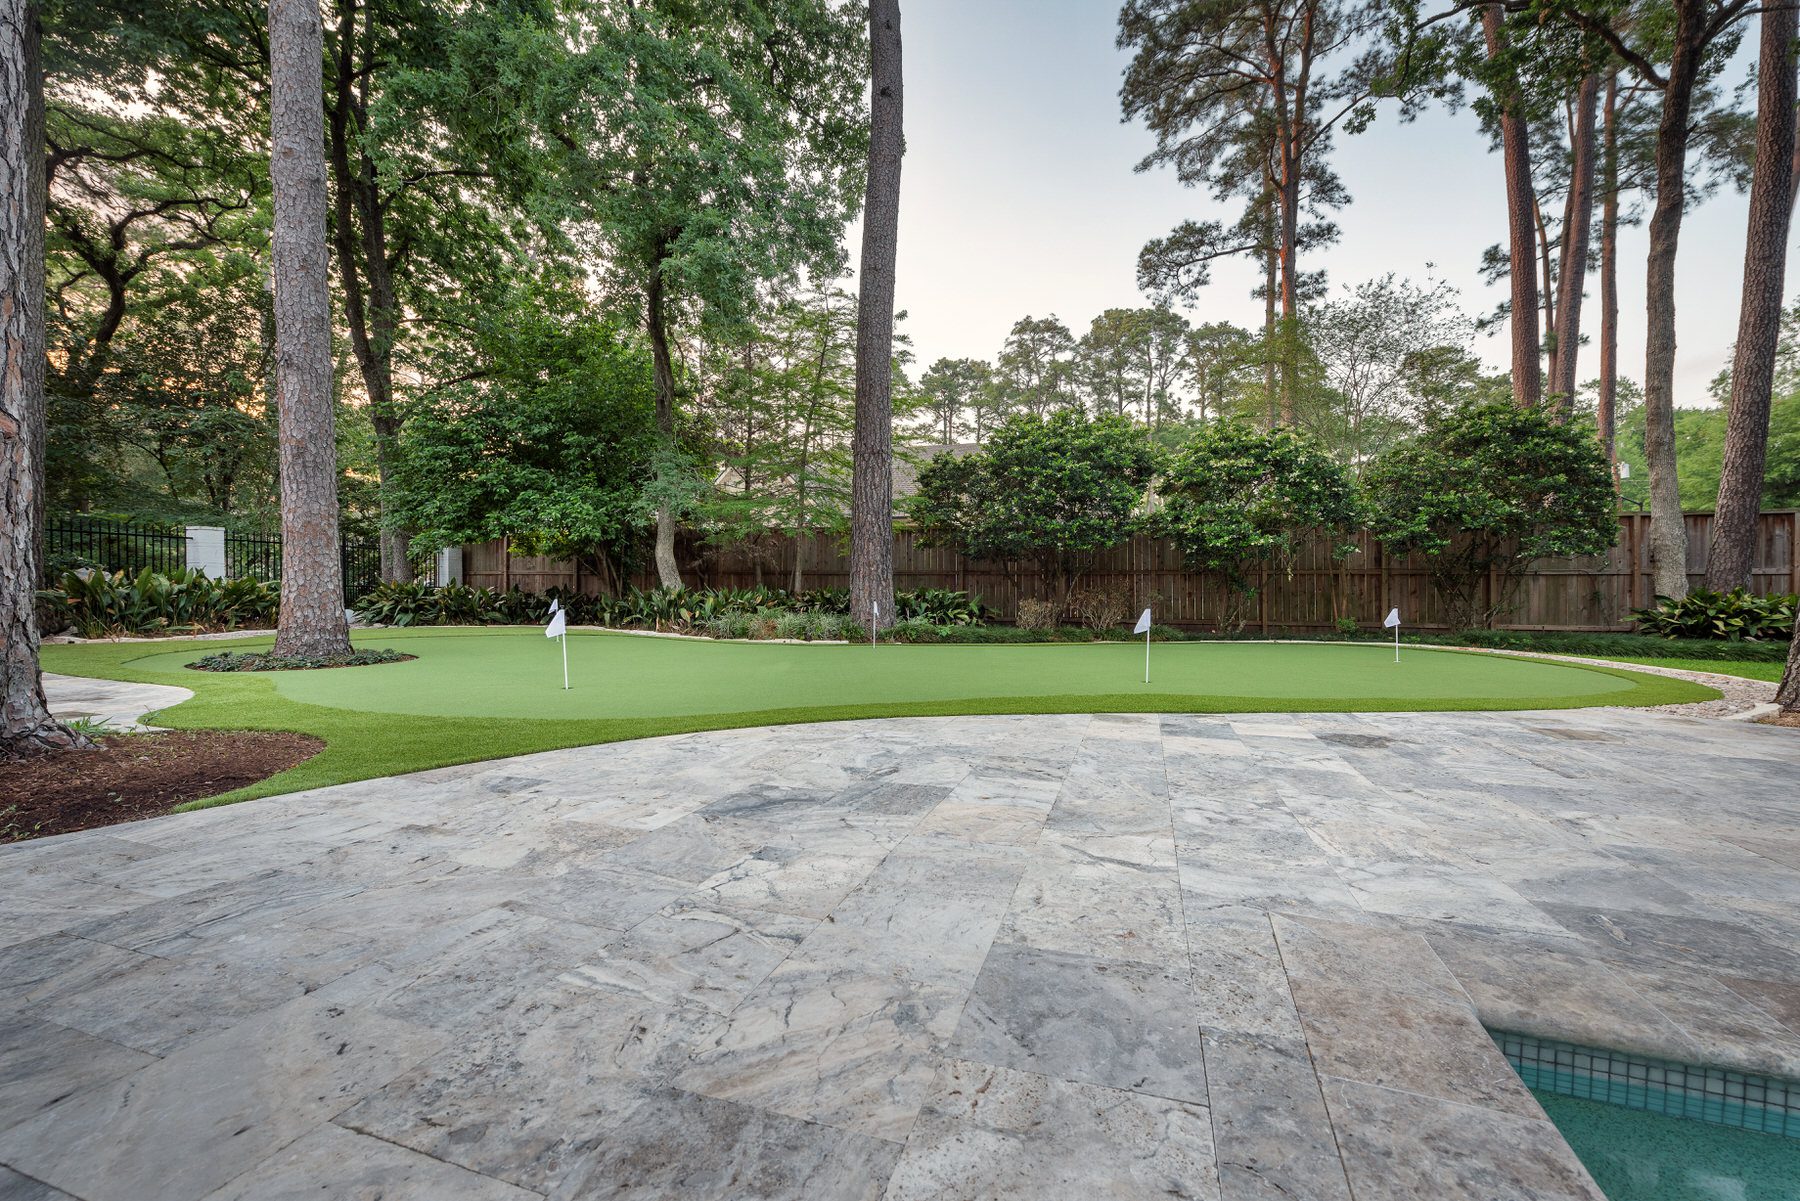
1076,957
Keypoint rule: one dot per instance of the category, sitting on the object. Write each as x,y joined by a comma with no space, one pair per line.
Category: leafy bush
1487,490
801,626
1731,616
258,661
98,603
1238,501
937,606
1053,491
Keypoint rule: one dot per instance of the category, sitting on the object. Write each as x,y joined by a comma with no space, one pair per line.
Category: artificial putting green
483,692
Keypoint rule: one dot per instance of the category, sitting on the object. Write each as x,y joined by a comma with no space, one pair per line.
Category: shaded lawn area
478,693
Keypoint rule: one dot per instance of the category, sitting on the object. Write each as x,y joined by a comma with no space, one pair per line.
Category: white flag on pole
1143,625
1393,619
559,625
555,606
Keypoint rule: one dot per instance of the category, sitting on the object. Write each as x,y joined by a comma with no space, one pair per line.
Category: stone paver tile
536,1088
995,1133
1441,891
693,953
691,848
703,1149
44,903
43,1064
928,913
1654,941
478,977
58,963
185,1125
1095,1021
794,874
1397,1144
360,1169
159,1005
14,1187
173,924
829,1044
1239,982
1733,1031
1087,899
1511,977
1379,1007
1274,1137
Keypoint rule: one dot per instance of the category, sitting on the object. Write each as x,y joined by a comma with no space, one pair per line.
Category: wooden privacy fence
1592,593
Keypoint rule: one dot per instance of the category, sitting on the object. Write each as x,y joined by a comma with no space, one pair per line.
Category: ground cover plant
251,661
1730,616
477,693
181,601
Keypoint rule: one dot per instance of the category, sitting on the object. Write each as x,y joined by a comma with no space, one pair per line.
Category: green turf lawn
479,693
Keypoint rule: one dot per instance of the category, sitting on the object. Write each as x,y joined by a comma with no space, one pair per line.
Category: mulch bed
129,776
1781,719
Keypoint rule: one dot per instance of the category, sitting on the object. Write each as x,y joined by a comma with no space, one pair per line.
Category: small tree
1047,490
1486,491
1238,499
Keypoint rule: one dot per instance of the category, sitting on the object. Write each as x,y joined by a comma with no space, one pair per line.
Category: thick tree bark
312,579
1607,404
1733,551
1788,694
1515,147
25,722
1571,279
872,465
668,571
1668,532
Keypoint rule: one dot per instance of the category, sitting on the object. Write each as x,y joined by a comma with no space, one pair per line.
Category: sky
1018,196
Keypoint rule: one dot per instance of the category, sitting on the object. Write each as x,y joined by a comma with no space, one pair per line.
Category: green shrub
99,604
1729,616
938,607
256,661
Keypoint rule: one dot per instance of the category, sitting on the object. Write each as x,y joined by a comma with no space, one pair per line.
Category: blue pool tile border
1718,1095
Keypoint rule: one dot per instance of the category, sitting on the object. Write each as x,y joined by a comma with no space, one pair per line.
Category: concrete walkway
120,705
1021,957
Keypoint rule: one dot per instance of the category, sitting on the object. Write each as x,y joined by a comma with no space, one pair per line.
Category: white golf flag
1393,619
559,625
1143,625
555,606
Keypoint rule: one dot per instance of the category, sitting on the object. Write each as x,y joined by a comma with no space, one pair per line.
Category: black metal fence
131,546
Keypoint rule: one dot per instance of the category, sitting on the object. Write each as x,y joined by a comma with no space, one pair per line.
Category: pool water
1635,1155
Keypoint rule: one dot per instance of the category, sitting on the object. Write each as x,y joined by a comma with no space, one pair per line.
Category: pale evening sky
1018,197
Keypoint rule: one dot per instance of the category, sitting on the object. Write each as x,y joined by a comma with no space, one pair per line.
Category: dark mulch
129,776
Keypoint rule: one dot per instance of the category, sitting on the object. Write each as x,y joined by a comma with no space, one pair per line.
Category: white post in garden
449,566
206,550
1143,627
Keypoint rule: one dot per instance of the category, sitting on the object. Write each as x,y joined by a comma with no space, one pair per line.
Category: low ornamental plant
258,661
1733,616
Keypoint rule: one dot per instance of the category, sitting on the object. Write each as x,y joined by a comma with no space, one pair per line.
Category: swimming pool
1655,1130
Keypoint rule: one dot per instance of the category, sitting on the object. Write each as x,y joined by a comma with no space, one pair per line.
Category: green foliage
253,661
1732,616
1237,499
551,447
1487,490
1050,490
101,604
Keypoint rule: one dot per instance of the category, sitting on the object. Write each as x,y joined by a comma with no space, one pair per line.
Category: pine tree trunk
1668,532
1607,404
668,571
1515,146
1571,279
312,580
1788,694
25,722
872,464
1733,551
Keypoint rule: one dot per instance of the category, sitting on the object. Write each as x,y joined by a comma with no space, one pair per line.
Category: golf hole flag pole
1143,627
1392,621
875,623
559,628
